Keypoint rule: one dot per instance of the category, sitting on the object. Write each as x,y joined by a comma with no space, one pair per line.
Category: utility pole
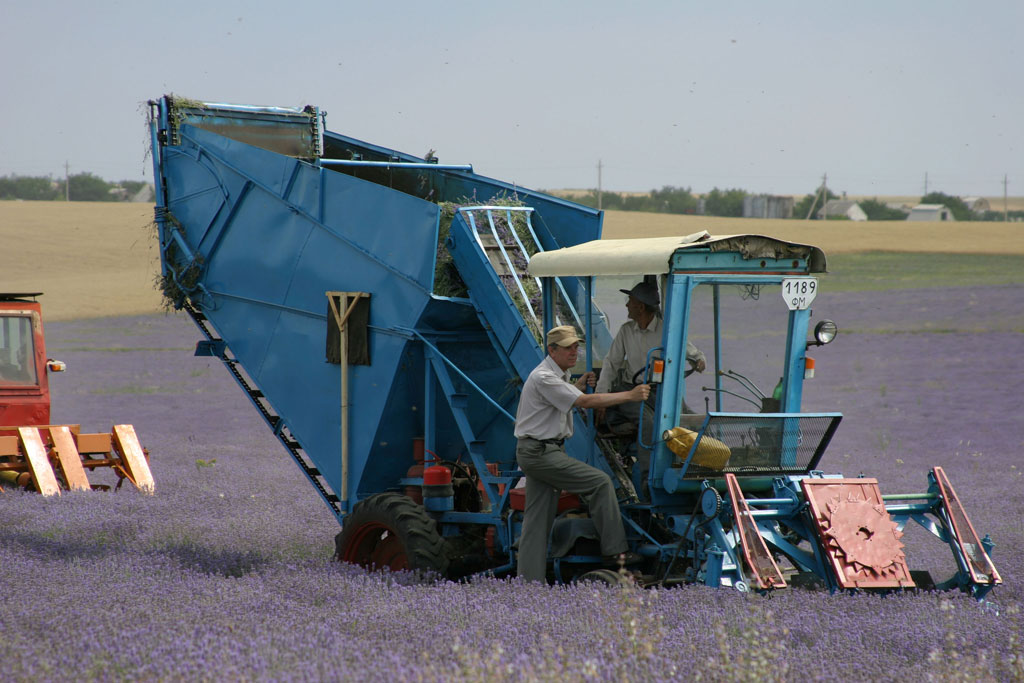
822,192
824,197
598,184
926,183
67,185
1006,214
814,203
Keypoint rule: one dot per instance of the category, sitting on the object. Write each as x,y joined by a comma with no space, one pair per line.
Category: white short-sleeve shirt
545,406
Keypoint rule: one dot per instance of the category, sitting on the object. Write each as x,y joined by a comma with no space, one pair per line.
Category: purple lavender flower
225,572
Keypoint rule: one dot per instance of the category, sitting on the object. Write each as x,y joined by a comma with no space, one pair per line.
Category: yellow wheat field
90,259
94,259
832,236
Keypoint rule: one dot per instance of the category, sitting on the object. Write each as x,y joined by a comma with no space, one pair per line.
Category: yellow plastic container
711,453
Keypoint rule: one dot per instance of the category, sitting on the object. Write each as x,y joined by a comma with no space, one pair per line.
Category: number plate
799,292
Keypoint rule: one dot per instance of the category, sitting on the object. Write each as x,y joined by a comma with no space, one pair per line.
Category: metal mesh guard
768,444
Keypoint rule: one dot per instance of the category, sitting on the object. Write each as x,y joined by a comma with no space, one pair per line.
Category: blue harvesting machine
381,311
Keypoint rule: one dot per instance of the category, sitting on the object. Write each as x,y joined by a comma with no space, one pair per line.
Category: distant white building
843,207
767,206
145,194
930,212
977,204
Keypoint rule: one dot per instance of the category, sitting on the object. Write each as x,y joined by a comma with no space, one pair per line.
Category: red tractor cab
24,386
35,454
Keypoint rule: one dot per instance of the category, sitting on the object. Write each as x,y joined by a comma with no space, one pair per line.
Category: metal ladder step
509,257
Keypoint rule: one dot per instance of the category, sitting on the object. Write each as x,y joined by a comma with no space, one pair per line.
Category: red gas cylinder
437,475
438,492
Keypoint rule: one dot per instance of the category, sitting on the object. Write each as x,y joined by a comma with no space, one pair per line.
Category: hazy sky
764,96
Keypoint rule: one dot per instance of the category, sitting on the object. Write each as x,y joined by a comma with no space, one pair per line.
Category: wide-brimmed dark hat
644,293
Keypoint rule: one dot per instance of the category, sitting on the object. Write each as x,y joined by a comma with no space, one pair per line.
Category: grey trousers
549,471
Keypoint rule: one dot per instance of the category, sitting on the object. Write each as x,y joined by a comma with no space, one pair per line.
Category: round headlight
825,331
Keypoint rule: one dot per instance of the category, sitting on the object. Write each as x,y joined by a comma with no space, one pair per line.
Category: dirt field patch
90,259
94,259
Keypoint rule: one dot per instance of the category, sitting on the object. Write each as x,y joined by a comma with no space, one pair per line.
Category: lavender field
225,572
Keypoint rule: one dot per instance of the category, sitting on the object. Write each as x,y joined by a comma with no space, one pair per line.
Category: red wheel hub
377,546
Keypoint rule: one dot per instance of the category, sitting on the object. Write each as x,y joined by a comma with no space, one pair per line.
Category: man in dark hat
628,355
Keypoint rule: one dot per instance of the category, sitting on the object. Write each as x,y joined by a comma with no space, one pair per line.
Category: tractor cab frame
680,266
24,384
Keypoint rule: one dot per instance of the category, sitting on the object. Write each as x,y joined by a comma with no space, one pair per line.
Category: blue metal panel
796,345
273,233
673,388
274,238
707,261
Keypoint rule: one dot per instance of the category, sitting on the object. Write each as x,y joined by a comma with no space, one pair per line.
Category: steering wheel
692,367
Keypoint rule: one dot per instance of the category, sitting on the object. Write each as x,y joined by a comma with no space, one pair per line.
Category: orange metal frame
760,561
979,563
43,452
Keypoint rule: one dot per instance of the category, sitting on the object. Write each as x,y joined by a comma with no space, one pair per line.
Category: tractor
35,454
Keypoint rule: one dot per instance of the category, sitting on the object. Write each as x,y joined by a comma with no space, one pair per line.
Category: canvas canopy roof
652,255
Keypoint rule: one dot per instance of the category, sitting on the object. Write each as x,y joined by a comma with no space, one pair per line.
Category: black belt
555,442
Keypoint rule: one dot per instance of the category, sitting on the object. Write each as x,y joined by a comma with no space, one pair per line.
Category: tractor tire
609,577
391,531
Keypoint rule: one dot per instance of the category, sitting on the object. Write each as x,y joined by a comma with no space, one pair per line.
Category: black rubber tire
391,531
609,577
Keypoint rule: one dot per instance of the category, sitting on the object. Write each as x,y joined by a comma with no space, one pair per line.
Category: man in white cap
543,423
628,356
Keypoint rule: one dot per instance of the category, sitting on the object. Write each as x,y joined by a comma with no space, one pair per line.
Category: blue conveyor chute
252,239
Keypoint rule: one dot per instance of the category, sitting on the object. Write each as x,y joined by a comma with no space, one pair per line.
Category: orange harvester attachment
33,453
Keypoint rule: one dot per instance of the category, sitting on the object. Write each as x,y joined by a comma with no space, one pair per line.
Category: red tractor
33,453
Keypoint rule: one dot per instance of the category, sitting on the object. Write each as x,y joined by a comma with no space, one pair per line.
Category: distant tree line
669,199
82,187
880,211
718,202
87,187
998,216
